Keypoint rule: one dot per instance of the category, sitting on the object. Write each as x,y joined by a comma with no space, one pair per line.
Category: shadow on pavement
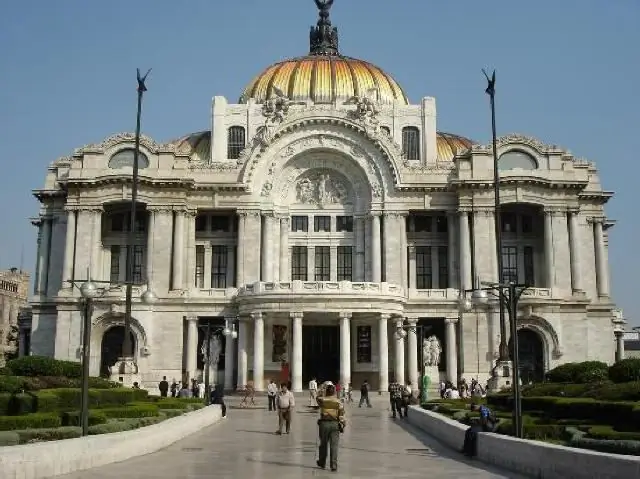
284,464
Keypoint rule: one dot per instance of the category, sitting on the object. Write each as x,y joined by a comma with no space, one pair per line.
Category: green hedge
15,384
30,421
583,372
609,433
72,418
28,436
125,425
168,413
44,366
606,390
70,399
169,403
533,431
625,370
143,410
578,438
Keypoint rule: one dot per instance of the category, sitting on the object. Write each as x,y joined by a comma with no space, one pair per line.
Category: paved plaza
244,446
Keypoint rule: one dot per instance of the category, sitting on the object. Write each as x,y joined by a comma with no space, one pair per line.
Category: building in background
14,294
317,212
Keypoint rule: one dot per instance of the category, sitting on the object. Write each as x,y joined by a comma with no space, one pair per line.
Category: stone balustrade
321,288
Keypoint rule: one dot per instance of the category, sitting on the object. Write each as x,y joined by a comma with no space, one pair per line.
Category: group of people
181,389
463,390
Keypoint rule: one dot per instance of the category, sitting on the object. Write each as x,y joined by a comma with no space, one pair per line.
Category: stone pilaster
190,266
345,348
464,249
243,363
383,353
484,247
285,270
452,357
296,356
561,251
602,266
258,351
177,282
252,247
575,250
192,346
399,355
376,251
151,215
267,255
158,259
393,232
452,250
359,250
548,249
69,249
242,237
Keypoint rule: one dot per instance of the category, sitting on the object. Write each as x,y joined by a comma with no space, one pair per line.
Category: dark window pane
115,264
117,222
344,223
443,267
529,271
219,266
527,224
235,142
322,263
510,264
345,263
138,263
299,263
199,279
322,224
411,143
201,223
299,223
422,223
219,223
509,222
363,344
424,271
441,224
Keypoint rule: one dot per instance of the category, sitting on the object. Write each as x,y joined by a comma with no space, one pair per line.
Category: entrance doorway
320,353
531,355
111,348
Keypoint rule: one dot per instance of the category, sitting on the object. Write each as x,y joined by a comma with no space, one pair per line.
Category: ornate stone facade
344,216
14,292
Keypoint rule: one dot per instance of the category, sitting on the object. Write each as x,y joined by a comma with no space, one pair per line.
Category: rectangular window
138,263
424,271
345,263
441,224
115,264
219,258
510,264
322,224
199,279
299,263
422,223
509,222
299,223
344,224
443,267
527,224
220,224
529,272
117,222
322,263
363,344
121,222
201,223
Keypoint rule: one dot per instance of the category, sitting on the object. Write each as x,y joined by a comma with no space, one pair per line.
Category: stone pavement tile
244,446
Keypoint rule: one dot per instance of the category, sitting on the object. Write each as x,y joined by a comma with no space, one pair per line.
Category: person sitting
486,423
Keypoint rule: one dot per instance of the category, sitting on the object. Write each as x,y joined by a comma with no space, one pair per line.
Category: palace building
315,215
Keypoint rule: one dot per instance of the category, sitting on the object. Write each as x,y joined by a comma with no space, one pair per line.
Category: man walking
395,398
286,403
313,391
163,386
272,392
331,423
364,394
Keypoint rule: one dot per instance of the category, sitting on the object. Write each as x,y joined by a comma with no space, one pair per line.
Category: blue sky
566,75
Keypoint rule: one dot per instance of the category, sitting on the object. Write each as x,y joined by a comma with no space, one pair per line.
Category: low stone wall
47,459
530,458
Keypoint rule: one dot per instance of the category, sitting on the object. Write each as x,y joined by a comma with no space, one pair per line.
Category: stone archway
111,325
531,356
111,348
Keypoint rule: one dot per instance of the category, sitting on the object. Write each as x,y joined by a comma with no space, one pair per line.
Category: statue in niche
321,190
431,351
213,347
279,348
305,191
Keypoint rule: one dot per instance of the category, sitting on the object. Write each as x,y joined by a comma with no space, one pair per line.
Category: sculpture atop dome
323,39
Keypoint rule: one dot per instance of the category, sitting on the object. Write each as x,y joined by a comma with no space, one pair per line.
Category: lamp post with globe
230,333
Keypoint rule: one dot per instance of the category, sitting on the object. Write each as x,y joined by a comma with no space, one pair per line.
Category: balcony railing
321,288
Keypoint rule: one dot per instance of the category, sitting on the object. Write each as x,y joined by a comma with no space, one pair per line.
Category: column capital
452,320
256,315
344,315
573,210
596,220
396,214
89,208
555,210
252,213
464,210
192,319
384,317
191,213
296,315
375,214
268,214
284,219
231,317
160,209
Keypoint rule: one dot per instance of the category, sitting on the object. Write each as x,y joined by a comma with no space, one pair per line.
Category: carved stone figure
321,190
431,351
214,348
366,105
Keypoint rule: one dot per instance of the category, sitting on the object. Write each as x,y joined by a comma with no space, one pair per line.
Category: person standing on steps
272,392
364,394
331,423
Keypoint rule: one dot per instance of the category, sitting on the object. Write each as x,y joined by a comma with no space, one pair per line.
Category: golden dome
324,79
324,75
449,145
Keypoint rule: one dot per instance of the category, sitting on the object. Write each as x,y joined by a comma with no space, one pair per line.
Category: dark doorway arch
531,355
111,348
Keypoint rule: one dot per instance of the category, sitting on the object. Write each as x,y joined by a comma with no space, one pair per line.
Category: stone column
452,357
393,228
229,357
69,249
548,249
151,214
190,267
376,252
243,364
345,348
399,357
451,250
412,344
44,250
619,345
267,254
231,261
383,353
602,268
465,251
258,351
333,263
576,257
296,353
96,245
360,241
192,346
404,261
413,278
285,272
240,255
178,251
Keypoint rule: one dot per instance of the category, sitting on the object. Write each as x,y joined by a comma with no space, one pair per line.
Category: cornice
517,139
486,184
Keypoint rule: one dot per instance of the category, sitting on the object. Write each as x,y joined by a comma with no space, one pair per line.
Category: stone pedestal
432,376
501,376
125,372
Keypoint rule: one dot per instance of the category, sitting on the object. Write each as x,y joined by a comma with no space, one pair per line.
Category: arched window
124,159
235,142
411,143
516,159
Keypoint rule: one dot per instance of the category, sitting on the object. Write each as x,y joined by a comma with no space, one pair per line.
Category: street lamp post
508,295
127,352
230,333
503,349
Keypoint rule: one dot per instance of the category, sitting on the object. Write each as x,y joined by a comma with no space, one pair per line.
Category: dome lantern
323,39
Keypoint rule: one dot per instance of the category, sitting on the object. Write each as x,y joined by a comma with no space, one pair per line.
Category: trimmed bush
625,370
5,371
70,399
607,391
30,421
609,433
532,431
169,403
125,425
72,418
36,366
11,384
168,413
9,438
583,372
28,436
143,410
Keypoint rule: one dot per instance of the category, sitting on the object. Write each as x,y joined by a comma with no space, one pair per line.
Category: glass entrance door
320,353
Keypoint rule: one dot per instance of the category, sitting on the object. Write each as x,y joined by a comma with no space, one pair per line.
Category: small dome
450,145
324,79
